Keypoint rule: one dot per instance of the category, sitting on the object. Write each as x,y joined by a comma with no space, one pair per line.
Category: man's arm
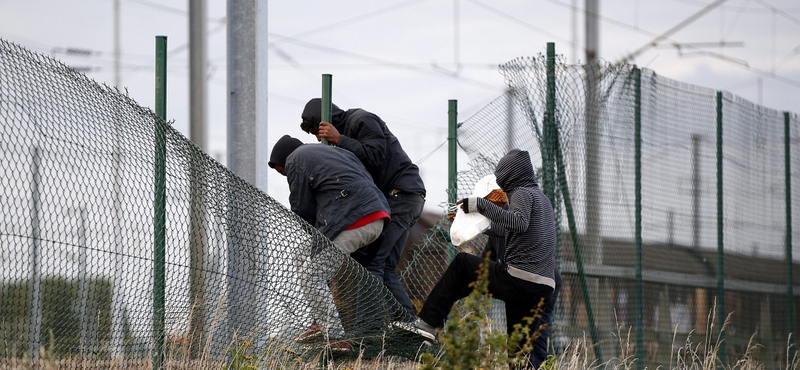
515,219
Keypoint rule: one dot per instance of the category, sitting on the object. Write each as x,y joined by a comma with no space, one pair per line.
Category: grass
578,355
467,342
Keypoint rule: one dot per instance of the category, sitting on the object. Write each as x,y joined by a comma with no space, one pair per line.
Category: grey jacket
330,188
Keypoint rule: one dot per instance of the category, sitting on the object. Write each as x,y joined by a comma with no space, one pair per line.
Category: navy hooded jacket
368,137
329,187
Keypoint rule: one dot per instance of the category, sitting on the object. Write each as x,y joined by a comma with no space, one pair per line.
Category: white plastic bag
466,226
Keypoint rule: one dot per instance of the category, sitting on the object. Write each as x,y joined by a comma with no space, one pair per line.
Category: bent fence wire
674,209
77,236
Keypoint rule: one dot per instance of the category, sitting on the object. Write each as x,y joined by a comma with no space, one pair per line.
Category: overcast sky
403,59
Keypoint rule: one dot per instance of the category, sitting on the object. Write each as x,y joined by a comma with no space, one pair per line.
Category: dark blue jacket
330,188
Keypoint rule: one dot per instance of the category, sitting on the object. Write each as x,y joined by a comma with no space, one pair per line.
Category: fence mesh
667,225
716,239
78,271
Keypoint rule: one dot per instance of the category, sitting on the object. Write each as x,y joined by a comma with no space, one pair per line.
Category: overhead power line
746,66
353,20
169,9
611,20
671,31
386,63
741,9
519,21
783,13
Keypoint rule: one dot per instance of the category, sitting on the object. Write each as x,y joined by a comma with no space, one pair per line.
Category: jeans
315,277
406,209
349,241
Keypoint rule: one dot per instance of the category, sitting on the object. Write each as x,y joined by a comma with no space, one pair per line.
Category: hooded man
524,276
330,189
367,136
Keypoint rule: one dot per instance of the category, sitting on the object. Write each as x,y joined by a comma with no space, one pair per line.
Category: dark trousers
406,209
539,353
521,297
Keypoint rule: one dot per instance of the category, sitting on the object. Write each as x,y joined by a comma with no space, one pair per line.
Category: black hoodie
368,137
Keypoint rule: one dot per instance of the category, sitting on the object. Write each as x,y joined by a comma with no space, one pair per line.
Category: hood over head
285,146
312,115
515,170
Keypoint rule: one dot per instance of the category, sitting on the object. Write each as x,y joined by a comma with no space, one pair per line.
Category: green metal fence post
551,152
576,243
452,136
327,85
789,274
637,138
35,329
452,170
720,242
159,206
547,130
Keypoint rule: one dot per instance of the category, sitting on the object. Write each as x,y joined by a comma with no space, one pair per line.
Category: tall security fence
674,207
81,276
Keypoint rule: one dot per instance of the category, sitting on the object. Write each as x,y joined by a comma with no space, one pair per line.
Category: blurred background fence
674,209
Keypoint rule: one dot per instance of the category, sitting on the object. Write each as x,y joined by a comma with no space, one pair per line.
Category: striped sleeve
516,218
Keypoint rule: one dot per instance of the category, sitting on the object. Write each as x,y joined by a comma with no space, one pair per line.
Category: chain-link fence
674,207
80,276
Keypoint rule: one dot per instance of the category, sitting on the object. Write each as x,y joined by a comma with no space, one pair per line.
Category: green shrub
61,313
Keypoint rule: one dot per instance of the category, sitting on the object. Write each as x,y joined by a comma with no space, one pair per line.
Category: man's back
397,171
330,188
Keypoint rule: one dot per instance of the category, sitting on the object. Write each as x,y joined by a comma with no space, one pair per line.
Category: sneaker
418,327
313,334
